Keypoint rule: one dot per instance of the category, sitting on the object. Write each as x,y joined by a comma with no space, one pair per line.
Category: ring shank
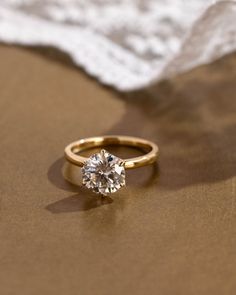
150,148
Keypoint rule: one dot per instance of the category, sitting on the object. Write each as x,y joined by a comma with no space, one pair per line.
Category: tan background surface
171,231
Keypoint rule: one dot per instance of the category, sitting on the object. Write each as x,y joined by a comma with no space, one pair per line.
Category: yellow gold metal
151,149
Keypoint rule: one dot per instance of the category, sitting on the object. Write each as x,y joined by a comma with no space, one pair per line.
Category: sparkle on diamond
103,173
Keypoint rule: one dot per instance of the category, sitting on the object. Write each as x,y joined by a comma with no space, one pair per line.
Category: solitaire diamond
103,173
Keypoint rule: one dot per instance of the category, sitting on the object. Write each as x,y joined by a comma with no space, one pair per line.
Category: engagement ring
103,172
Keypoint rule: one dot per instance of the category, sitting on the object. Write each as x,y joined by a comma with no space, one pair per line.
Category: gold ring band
76,147
105,173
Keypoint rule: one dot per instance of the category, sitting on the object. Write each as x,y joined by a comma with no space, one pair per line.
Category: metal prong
122,163
103,151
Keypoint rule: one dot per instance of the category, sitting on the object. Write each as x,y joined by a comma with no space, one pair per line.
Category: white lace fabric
126,44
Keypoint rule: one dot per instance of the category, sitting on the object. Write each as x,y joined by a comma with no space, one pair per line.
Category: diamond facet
104,173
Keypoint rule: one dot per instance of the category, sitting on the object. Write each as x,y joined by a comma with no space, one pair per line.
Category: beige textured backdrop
171,231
